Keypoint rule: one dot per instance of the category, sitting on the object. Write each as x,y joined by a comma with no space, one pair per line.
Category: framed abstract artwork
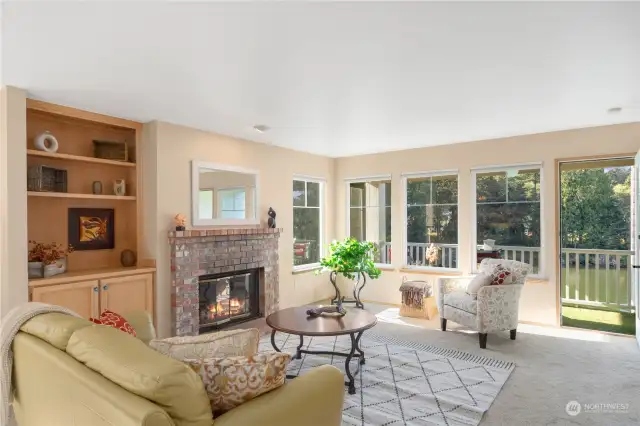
91,229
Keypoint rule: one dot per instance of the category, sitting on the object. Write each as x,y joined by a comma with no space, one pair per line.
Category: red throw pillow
114,320
500,275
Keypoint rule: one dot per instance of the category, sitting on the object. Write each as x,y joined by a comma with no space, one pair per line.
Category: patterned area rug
404,383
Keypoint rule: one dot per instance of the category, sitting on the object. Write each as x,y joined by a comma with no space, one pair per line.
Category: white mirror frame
195,189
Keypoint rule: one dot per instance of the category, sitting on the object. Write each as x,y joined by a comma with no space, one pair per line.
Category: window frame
405,243
474,212
231,189
365,179
321,207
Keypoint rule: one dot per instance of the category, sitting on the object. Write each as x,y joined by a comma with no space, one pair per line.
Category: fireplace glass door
228,298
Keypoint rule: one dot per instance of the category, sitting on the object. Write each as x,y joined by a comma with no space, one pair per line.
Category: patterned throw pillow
500,275
234,380
114,320
477,283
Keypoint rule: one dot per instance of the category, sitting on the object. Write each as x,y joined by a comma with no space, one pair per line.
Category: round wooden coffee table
296,321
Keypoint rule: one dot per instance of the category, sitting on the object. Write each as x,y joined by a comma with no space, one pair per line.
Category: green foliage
596,208
350,257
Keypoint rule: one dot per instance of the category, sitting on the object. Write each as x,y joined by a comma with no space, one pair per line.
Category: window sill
306,268
384,266
430,270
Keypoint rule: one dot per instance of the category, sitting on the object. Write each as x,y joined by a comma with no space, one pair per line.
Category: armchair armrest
314,399
498,307
449,285
211,345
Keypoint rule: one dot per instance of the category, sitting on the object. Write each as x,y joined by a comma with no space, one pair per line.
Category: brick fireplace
220,252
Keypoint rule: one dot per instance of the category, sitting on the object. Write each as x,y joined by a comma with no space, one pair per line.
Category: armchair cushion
462,301
212,345
477,283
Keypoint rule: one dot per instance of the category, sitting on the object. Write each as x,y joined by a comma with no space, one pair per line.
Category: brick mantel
212,251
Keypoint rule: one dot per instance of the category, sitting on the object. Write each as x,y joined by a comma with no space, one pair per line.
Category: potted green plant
353,260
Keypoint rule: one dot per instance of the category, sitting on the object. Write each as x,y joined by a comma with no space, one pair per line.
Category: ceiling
333,78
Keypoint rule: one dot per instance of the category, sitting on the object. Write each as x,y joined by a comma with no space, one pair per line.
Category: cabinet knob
105,287
95,289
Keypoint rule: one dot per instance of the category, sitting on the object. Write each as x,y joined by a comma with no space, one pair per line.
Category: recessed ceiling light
261,128
614,110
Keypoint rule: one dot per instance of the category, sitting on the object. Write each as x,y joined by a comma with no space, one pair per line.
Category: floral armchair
496,307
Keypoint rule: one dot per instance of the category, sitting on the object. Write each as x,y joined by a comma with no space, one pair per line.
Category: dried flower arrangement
432,254
48,254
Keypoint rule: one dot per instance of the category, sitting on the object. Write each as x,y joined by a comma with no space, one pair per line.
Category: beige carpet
553,367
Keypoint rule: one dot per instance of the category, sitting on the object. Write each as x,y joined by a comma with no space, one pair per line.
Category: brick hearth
203,252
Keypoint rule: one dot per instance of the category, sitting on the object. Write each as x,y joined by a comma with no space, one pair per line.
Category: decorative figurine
272,218
46,142
119,187
321,310
97,187
180,220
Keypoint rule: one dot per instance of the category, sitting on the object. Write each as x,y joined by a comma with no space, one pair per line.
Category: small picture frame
91,229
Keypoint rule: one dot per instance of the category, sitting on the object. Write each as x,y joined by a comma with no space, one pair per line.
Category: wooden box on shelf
43,178
108,150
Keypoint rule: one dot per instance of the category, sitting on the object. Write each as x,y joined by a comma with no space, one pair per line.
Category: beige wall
539,299
13,199
167,190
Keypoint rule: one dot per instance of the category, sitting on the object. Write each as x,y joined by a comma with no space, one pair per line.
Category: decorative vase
128,258
46,142
59,267
36,270
97,187
119,187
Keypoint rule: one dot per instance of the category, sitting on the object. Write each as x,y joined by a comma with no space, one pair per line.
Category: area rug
405,383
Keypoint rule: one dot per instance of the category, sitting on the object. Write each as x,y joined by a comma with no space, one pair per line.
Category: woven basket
429,309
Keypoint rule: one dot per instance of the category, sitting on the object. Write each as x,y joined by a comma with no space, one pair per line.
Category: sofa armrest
449,285
210,345
498,307
314,399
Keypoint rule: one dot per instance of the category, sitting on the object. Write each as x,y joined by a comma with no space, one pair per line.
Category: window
231,203
307,222
508,214
205,204
432,220
369,204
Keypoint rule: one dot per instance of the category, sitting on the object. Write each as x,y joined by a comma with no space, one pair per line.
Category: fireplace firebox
228,298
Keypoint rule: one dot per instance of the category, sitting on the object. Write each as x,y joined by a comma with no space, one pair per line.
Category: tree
596,208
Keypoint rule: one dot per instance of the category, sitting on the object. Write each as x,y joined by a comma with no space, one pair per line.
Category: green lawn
594,319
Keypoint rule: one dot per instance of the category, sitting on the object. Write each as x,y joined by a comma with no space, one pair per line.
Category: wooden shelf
90,274
83,196
71,157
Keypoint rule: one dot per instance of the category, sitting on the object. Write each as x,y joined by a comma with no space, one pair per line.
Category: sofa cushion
54,328
130,363
234,380
461,300
211,345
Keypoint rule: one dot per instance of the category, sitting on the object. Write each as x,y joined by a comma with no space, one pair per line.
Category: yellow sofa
68,371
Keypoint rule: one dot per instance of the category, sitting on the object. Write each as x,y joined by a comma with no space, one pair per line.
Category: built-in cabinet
121,294
95,279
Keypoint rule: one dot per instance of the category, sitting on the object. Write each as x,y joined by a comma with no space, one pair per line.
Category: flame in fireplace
235,306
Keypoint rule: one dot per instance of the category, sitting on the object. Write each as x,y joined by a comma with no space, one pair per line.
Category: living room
431,140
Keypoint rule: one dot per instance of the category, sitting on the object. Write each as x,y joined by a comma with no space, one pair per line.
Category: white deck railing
597,278
589,277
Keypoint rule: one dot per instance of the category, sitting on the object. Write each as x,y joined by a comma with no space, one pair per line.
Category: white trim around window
347,190
405,243
474,213
321,207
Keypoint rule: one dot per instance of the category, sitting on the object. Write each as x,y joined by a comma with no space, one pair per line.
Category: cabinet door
127,294
80,297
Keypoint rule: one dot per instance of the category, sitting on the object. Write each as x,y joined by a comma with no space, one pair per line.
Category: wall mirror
223,195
